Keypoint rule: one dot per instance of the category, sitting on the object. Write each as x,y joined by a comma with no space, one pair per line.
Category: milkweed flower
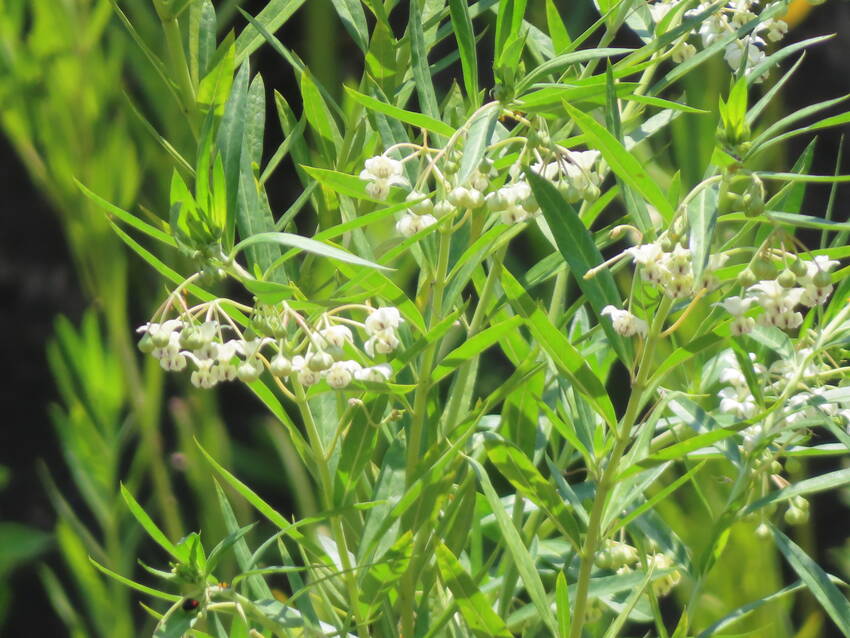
382,172
625,323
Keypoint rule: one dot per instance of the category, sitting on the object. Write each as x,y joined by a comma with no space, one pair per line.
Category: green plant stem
180,71
455,407
423,388
326,491
607,481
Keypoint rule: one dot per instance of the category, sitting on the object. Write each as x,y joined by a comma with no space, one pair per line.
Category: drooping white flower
382,172
341,373
737,401
410,224
376,374
336,335
736,306
625,323
384,318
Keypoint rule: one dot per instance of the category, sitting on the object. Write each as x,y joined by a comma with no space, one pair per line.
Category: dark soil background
38,282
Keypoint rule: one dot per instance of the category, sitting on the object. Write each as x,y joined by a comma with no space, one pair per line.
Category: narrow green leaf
462,27
271,18
134,585
558,32
522,559
473,347
415,119
562,62
150,527
525,477
128,218
569,361
829,481
623,163
562,602
473,605
419,61
702,220
306,244
828,595
478,137
229,144
351,14
579,250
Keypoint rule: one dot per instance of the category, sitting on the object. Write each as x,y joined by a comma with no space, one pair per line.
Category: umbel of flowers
439,192
336,347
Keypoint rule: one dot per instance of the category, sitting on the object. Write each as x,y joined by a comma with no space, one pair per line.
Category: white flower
625,323
280,366
382,172
381,167
386,318
462,197
250,349
336,336
411,224
376,374
736,306
424,207
249,370
736,51
340,374
382,342
737,401
645,253
206,374
161,333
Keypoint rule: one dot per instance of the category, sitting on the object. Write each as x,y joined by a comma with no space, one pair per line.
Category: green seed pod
747,278
763,268
787,279
822,279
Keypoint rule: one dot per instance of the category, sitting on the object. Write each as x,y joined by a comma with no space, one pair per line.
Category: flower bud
320,361
146,344
747,278
822,279
787,279
280,366
249,371
763,268
796,516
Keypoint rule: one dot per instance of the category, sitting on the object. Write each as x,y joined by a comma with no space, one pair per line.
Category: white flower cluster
778,297
306,354
574,173
747,50
672,270
810,404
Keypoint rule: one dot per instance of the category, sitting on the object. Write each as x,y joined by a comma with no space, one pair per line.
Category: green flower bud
787,279
146,344
320,361
822,279
796,516
747,278
763,268
798,267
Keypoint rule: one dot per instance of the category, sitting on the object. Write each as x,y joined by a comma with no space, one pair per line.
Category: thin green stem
423,388
326,491
595,533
